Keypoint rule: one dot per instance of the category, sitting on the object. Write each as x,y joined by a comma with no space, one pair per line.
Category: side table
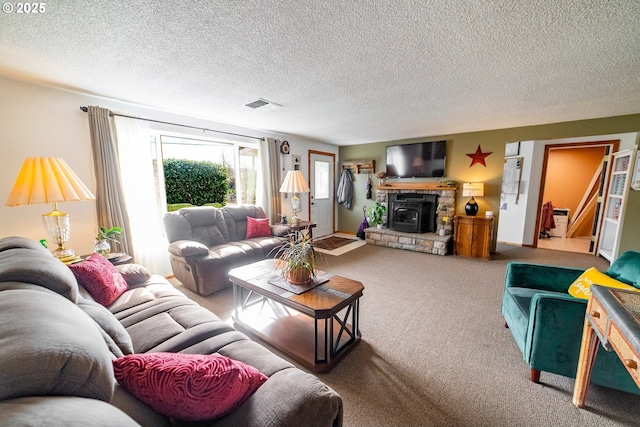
473,236
115,258
302,227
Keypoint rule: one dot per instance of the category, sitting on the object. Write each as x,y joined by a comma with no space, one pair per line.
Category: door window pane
321,180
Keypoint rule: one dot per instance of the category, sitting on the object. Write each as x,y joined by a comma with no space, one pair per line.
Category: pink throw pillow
191,387
100,278
258,227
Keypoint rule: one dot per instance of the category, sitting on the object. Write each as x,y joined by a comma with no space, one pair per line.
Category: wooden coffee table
316,328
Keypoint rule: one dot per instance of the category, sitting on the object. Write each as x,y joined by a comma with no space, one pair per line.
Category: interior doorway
573,180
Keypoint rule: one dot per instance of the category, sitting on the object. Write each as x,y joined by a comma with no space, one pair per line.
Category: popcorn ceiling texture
346,72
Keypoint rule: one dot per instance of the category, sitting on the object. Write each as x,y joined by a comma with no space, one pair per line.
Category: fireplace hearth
413,212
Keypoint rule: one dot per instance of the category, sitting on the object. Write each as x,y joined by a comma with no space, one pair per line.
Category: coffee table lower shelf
294,333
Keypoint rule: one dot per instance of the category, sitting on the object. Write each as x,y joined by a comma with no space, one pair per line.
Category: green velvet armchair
546,322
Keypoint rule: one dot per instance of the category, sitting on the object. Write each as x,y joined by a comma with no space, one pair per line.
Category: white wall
517,223
36,121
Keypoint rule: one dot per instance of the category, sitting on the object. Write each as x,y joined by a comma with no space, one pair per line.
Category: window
240,161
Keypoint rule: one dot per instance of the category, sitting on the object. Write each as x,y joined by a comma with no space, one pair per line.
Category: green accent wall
458,145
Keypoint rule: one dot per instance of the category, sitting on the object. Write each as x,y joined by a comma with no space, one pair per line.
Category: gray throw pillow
133,273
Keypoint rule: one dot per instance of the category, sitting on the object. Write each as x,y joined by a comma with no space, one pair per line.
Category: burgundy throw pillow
100,278
191,387
258,227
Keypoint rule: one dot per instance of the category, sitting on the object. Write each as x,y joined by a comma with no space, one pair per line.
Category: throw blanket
345,189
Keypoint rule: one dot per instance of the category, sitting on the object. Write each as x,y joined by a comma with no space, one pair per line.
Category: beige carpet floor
434,350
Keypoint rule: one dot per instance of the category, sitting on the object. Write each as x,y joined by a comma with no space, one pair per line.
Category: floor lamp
50,180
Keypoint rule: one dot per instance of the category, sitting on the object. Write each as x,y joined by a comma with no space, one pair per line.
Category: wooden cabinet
615,204
473,236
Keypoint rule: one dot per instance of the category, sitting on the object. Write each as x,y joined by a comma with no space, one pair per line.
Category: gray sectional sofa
57,347
206,242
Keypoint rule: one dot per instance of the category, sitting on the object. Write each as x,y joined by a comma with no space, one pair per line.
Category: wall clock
284,147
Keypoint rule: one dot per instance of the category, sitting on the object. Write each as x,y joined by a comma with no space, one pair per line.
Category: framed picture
512,149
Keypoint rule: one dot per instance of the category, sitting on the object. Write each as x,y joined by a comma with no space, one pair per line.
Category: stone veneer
431,243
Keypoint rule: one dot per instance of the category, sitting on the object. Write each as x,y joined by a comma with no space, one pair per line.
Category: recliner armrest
539,276
186,248
280,230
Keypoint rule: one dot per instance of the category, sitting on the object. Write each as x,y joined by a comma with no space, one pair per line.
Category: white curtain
267,194
144,201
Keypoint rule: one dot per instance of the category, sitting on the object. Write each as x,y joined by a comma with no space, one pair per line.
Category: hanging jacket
345,189
547,220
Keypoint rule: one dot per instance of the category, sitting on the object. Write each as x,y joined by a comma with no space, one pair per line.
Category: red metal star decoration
478,157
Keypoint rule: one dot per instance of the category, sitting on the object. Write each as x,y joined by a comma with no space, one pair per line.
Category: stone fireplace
410,230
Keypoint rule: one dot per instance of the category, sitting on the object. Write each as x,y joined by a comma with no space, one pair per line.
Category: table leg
588,349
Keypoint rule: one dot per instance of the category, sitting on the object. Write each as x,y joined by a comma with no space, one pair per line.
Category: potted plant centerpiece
105,234
297,260
379,211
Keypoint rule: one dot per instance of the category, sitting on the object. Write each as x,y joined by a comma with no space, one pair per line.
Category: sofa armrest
539,276
186,248
280,230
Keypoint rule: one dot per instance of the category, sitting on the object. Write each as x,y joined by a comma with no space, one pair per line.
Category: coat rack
360,166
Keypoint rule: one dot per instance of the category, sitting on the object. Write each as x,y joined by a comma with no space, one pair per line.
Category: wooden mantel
395,186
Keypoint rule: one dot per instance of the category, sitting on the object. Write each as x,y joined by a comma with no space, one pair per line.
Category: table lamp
50,180
295,183
472,189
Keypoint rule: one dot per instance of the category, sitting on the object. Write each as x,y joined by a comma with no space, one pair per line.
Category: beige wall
490,141
37,121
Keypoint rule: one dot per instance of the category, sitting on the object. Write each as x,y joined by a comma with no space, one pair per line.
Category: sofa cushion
258,227
39,268
235,217
581,287
13,242
62,411
108,324
133,273
49,346
98,276
188,386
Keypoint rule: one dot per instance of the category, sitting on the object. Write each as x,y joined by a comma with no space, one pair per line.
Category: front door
321,180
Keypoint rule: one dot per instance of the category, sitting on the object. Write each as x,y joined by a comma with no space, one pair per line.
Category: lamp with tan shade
50,180
295,183
472,189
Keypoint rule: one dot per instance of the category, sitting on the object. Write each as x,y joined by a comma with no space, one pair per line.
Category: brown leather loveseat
206,242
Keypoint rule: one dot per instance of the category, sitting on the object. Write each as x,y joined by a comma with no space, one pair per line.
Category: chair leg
535,375
506,325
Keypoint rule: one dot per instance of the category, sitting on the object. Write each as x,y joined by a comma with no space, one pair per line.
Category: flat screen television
418,160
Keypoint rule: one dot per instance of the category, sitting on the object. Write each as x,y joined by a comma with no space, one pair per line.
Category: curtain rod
111,113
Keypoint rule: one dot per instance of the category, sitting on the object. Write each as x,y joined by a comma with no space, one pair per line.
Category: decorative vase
378,225
299,276
381,182
102,247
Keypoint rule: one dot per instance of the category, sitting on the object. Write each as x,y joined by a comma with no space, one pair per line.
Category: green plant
112,233
378,214
195,182
297,257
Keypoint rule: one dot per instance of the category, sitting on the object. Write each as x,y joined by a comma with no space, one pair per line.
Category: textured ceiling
346,72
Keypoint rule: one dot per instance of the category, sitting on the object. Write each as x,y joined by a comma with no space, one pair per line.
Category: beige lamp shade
47,180
473,189
294,182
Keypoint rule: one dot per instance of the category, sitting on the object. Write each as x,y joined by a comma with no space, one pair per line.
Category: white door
321,179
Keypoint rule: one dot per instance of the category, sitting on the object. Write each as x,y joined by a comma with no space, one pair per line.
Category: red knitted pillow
189,387
258,227
100,278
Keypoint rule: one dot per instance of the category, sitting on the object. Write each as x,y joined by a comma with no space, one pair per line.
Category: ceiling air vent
263,103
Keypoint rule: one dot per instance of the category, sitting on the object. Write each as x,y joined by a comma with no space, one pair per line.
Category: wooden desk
612,319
